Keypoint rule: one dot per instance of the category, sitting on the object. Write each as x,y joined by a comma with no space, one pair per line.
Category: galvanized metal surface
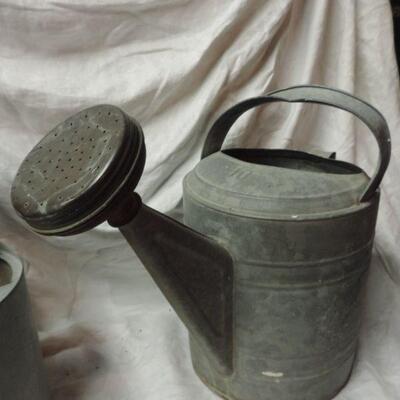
297,290
83,173
68,181
301,242
276,184
21,371
268,274
175,257
319,95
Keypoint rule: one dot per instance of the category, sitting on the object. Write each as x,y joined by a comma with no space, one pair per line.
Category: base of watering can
235,387
224,396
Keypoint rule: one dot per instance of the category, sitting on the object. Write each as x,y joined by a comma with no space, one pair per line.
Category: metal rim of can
16,268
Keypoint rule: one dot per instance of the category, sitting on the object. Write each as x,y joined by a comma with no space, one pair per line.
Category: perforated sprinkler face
69,180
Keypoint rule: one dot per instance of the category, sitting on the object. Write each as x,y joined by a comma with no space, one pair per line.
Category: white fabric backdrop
174,65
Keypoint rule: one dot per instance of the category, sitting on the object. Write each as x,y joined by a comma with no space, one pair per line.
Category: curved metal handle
312,94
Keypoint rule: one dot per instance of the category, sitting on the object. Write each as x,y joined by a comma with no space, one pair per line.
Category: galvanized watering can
268,270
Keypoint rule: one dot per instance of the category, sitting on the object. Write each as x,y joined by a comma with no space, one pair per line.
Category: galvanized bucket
21,371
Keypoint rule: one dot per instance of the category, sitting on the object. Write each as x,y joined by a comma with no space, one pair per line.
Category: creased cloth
175,65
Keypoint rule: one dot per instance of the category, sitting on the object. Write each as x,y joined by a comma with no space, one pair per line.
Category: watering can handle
312,94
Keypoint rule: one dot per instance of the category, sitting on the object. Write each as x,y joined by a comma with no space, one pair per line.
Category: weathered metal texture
82,173
21,372
176,256
300,230
76,174
301,242
318,95
267,275
297,287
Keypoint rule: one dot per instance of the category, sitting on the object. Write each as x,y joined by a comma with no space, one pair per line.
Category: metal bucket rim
16,266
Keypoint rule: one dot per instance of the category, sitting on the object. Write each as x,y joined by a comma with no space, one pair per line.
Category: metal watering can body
268,271
300,230
296,298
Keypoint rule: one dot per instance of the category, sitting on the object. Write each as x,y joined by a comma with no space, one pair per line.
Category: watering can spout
194,273
300,229
93,181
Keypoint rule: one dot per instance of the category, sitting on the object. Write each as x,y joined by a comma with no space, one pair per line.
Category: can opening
293,159
5,273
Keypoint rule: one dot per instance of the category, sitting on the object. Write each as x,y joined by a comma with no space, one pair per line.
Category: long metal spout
193,272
